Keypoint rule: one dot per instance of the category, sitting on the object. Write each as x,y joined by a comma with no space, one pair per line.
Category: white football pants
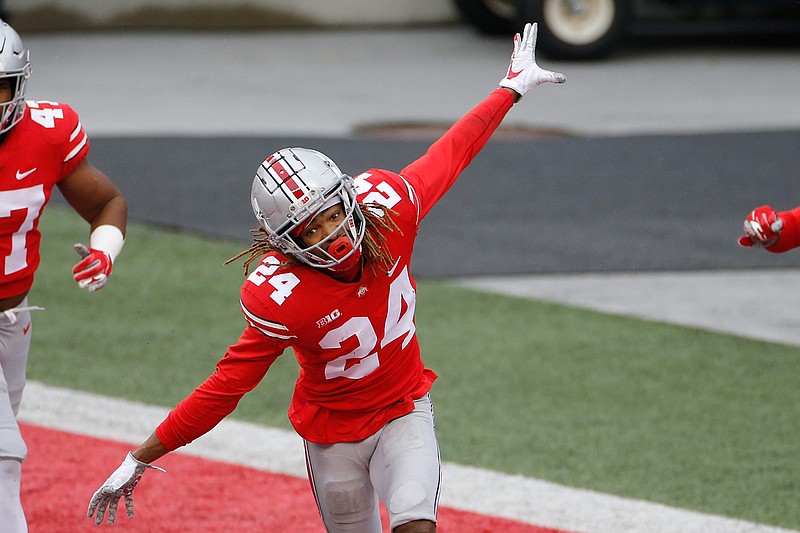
15,341
399,465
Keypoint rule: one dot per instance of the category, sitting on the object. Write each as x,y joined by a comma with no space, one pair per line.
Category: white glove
120,483
523,72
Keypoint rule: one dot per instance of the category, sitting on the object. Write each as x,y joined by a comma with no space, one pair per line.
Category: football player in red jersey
42,145
332,282
775,231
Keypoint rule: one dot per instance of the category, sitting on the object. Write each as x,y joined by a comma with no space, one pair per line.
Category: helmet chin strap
349,269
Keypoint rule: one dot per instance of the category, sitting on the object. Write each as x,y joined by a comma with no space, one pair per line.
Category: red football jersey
38,152
360,363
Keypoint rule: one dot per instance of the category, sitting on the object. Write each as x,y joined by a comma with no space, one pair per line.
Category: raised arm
436,171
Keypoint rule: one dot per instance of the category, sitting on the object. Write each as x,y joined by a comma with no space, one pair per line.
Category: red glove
762,227
93,270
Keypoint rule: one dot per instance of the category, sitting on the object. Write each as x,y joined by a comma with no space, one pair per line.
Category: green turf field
673,415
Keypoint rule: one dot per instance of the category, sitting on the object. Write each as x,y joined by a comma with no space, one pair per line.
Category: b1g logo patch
322,322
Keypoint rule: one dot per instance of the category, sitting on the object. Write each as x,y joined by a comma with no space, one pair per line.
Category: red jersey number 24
364,359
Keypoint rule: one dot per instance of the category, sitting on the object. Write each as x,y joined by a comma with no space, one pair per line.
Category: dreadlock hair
374,248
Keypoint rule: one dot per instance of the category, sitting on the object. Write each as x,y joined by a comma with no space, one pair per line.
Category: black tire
490,17
566,33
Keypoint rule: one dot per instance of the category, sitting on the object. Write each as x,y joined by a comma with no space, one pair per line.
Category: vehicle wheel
576,29
492,17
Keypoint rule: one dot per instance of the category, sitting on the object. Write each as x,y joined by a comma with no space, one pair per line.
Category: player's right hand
762,227
120,484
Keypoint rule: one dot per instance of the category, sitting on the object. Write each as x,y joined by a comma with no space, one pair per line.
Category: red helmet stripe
286,177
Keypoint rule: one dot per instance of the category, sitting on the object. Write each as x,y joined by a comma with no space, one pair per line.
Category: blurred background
573,29
647,159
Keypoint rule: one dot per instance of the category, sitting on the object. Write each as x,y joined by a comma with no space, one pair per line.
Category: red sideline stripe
63,470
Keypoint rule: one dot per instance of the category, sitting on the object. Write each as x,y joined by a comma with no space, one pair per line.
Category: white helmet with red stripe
290,187
15,66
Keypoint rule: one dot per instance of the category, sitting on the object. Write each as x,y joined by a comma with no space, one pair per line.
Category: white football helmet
15,65
290,187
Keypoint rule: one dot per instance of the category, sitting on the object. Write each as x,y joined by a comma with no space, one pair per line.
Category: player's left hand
120,484
93,270
762,227
523,72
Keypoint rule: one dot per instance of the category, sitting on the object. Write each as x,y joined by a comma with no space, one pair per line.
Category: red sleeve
790,235
238,372
435,172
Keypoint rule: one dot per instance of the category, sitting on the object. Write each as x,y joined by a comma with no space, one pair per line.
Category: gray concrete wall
47,15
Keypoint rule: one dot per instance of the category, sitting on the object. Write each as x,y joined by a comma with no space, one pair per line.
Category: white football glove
523,72
120,483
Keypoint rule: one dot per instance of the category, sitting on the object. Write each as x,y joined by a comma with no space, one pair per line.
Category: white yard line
760,304
467,488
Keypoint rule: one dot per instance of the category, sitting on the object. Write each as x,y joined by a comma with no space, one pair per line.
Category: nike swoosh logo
25,329
23,175
511,74
391,270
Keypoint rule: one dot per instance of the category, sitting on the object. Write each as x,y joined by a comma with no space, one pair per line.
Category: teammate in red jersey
333,283
775,231
42,145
